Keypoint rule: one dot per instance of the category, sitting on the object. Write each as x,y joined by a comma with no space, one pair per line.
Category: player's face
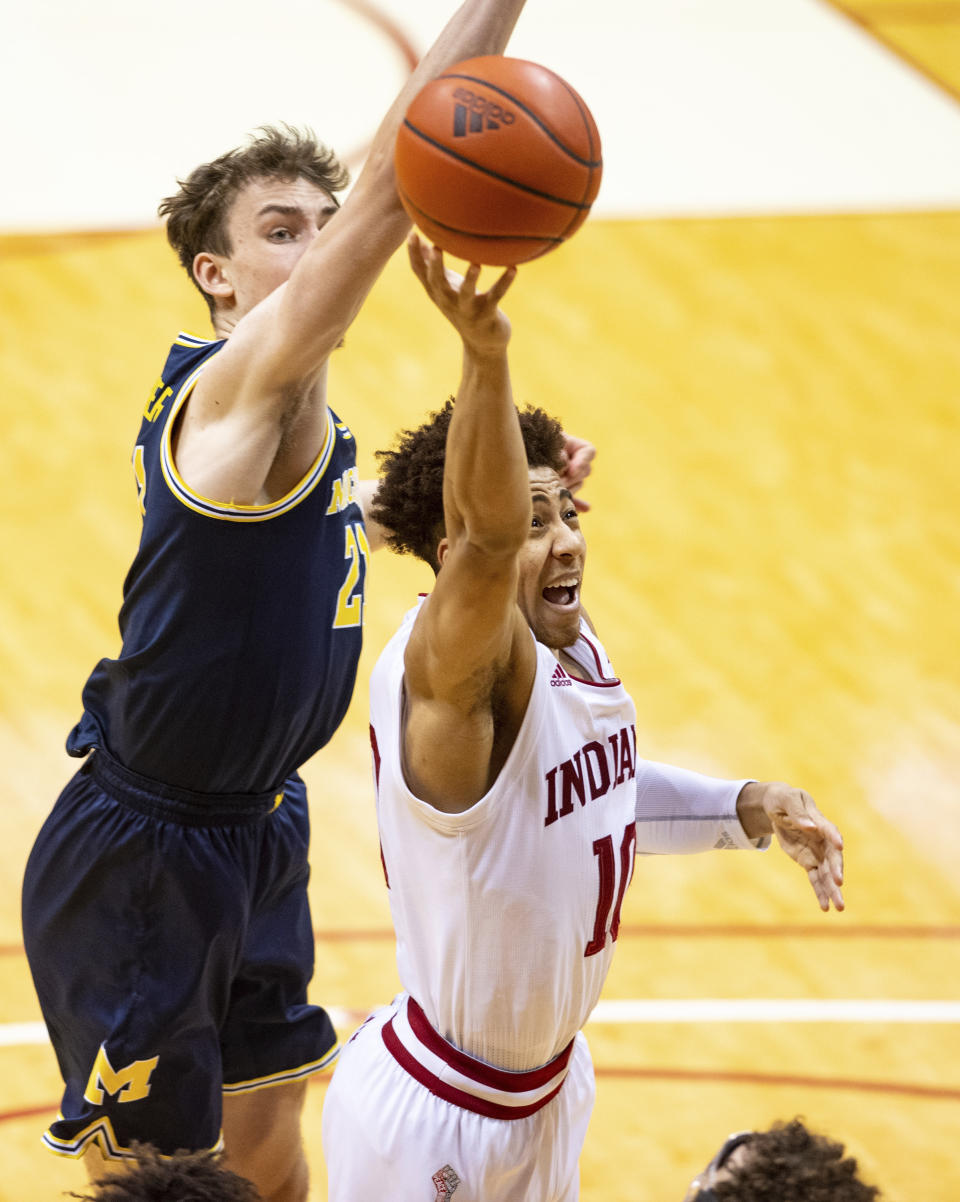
551,563
271,224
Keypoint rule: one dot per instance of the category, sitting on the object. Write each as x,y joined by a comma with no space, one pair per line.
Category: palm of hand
811,840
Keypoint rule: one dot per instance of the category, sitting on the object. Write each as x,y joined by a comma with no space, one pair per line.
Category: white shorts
463,1131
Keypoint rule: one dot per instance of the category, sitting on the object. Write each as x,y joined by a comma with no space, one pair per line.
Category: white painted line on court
345,1020
669,1010
18,1035
774,1010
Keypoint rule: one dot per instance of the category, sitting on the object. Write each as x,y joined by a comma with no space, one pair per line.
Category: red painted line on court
394,34
829,929
388,26
28,1112
876,32
903,1089
702,1076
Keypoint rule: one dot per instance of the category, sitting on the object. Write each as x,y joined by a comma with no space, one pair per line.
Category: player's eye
282,234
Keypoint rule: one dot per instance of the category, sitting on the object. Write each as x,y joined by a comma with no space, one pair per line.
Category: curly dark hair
409,499
197,214
789,1163
185,1177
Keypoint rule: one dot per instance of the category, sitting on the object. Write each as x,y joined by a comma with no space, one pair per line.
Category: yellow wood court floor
774,564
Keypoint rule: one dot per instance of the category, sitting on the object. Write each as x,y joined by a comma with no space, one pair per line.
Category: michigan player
508,789
165,906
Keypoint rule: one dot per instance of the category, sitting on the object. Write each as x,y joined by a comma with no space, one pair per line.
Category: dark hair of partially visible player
788,1163
185,1177
197,215
409,498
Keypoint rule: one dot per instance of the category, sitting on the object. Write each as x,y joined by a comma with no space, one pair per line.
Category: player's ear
442,548
209,274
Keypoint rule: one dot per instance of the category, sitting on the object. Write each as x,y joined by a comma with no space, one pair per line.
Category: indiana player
508,791
165,901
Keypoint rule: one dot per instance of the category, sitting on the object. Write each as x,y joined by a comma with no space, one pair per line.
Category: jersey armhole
207,507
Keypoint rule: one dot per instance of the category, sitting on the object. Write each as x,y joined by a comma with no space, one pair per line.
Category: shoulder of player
245,376
253,341
447,658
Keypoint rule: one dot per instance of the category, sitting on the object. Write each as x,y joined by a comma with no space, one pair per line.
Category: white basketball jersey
506,915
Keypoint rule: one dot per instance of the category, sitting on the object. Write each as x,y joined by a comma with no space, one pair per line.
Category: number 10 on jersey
610,894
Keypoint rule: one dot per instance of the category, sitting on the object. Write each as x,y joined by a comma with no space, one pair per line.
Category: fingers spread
500,286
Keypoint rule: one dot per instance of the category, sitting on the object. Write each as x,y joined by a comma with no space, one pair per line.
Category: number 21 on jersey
350,598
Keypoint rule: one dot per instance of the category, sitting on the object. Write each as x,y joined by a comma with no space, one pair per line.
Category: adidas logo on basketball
473,114
559,677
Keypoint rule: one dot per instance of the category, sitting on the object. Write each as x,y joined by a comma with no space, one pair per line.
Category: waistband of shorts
460,1079
171,804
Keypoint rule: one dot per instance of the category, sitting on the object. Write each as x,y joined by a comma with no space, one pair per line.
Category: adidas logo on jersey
559,677
473,114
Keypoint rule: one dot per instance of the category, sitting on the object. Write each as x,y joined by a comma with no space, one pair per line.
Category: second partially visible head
409,503
786,1163
240,223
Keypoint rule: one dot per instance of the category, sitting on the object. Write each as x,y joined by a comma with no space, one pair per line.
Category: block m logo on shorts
128,1084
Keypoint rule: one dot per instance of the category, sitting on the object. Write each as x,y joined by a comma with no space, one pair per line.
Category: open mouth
562,595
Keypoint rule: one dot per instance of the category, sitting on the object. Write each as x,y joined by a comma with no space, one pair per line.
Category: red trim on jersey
597,684
375,748
476,1070
449,1093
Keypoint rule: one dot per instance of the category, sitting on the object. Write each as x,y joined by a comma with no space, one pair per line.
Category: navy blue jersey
241,624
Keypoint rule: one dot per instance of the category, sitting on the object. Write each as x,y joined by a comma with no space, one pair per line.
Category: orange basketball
498,160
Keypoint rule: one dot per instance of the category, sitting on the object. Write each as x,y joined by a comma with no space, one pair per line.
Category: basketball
498,160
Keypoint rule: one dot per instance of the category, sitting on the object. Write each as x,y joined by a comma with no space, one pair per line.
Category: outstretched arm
233,429
680,812
470,640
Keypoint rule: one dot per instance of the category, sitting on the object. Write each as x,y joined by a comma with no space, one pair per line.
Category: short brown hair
185,1177
197,214
409,498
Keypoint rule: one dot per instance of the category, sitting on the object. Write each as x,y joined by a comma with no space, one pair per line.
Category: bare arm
579,455
376,534
267,380
470,643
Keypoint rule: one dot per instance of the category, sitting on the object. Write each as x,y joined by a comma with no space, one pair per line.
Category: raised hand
475,315
579,455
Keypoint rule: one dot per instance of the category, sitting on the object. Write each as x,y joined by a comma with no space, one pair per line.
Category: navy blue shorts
171,947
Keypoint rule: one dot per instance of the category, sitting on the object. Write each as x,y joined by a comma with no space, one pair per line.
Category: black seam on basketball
461,158
455,229
587,122
531,114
